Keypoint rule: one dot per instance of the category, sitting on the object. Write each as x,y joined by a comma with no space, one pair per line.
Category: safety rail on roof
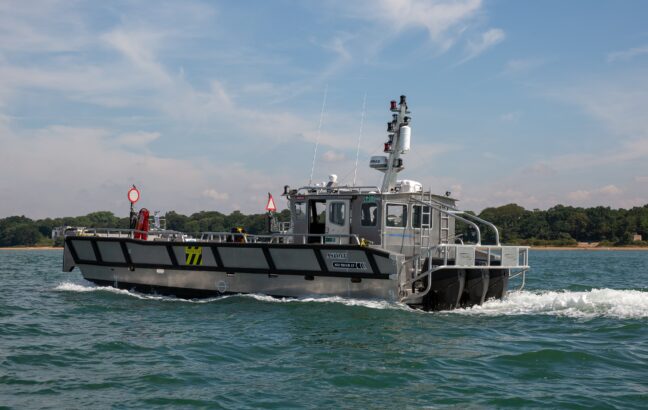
338,190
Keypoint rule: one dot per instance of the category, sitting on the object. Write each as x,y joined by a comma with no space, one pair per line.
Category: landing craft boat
396,242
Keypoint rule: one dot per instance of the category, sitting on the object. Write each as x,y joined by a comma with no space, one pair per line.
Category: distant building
636,238
60,231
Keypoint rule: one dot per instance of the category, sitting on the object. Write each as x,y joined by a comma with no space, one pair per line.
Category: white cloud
139,47
439,18
540,168
610,190
215,195
522,65
58,171
137,139
338,46
618,102
25,27
444,21
579,195
419,158
620,106
487,40
626,55
597,194
642,178
333,156
510,116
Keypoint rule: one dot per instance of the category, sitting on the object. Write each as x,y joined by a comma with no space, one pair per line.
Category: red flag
271,207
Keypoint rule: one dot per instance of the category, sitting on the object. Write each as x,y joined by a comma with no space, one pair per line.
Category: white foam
622,304
75,287
372,304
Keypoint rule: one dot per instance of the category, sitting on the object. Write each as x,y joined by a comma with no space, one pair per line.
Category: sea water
575,337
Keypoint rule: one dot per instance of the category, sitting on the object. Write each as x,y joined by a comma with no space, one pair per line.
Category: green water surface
576,337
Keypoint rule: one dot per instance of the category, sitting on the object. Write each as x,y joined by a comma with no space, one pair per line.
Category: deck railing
220,237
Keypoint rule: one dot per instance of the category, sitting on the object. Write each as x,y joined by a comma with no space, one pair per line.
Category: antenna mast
319,130
399,142
362,117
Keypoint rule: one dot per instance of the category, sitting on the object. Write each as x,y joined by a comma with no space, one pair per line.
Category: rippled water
577,336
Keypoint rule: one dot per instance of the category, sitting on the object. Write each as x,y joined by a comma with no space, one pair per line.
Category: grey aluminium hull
195,269
203,269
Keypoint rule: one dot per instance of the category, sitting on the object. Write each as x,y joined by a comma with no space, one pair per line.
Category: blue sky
210,105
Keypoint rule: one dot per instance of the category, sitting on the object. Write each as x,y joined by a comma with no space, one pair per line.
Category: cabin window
396,216
419,218
318,212
316,219
300,210
337,214
369,214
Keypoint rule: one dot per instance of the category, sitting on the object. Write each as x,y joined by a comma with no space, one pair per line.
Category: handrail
449,213
321,236
123,231
524,266
217,237
272,237
485,222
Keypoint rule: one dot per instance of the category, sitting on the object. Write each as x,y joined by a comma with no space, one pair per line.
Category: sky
210,105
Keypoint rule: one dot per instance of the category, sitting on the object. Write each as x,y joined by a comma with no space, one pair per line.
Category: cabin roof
319,192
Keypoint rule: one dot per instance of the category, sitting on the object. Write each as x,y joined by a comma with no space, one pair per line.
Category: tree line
565,225
560,225
23,231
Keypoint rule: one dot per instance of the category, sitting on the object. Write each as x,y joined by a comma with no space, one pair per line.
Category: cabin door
337,221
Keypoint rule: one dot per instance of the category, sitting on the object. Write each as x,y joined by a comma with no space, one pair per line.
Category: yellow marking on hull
193,255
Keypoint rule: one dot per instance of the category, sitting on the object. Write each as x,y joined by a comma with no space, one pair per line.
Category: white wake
75,287
622,304
372,304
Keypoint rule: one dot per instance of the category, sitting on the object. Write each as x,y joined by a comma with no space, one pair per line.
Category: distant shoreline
32,248
580,248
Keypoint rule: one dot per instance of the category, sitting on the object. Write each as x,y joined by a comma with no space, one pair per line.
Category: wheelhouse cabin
398,222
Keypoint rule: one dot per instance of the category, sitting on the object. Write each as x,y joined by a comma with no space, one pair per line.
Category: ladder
444,227
425,231
444,230
426,226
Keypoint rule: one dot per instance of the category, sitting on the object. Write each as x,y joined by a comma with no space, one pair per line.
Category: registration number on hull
350,265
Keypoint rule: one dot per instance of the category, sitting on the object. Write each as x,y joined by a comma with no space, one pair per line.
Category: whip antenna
362,117
319,130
